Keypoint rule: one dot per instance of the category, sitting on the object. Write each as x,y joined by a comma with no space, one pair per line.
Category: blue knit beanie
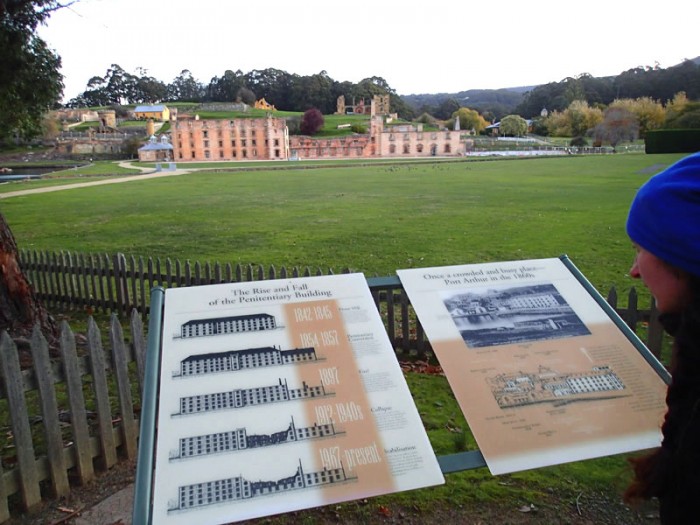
664,218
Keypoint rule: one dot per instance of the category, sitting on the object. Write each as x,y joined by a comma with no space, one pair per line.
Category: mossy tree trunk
20,309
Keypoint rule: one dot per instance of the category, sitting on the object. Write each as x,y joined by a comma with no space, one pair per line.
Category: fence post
4,507
656,331
22,434
139,345
49,413
120,282
129,430
99,383
405,327
106,277
76,402
632,310
390,320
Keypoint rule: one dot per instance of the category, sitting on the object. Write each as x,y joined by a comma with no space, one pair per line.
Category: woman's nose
634,271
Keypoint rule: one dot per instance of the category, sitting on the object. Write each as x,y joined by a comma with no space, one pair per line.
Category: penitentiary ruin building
243,397
239,439
228,325
547,386
268,139
239,488
230,139
232,360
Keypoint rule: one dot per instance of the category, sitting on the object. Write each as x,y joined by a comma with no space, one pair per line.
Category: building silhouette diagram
240,489
227,325
233,360
239,439
244,397
547,386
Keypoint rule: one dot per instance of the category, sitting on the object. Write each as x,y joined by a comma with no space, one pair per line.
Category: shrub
311,121
294,125
672,141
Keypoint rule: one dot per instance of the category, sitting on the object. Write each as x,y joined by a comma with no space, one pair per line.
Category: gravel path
146,173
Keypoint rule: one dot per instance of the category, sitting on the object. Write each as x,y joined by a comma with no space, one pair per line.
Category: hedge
672,141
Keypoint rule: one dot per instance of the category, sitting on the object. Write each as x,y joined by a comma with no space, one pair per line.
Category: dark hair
666,469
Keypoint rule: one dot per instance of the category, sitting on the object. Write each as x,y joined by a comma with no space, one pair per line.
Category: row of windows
252,123
244,154
419,136
419,148
238,440
238,488
252,396
212,443
231,325
233,399
593,384
236,360
244,143
333,152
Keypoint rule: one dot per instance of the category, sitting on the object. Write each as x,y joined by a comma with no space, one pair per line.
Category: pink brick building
224,139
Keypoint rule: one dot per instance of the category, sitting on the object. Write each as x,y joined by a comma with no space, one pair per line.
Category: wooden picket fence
117,283
65,416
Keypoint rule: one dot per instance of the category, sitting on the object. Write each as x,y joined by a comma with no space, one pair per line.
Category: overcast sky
436,46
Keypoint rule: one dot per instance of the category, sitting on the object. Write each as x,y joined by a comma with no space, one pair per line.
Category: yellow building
160,113
263,104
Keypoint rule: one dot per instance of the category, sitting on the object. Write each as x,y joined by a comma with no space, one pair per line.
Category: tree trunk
20,309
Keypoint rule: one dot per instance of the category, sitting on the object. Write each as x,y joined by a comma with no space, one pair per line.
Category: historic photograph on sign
541,371
489,317
277,396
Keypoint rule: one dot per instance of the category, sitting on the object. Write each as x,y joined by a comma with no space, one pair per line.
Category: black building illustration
243,397
240,489
228,325
239,439
547,386
232,360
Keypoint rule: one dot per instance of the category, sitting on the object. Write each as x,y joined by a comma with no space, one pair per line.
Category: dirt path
146,173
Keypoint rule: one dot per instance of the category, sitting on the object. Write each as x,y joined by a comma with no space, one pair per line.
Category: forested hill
528,101
497,101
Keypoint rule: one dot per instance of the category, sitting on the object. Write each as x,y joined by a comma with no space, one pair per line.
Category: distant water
8,178
516,153
25,173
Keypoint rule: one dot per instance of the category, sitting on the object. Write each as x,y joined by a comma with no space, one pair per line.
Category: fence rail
84,398
117,283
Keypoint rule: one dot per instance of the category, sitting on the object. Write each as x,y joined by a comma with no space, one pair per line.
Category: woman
664,224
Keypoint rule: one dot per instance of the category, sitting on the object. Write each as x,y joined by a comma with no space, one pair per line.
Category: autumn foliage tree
469,119
575,121
618,125
649,113
311,121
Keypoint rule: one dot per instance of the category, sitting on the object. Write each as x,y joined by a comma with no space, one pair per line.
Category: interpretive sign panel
277,396
539,368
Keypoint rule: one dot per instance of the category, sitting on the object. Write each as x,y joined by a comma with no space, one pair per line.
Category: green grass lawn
370,218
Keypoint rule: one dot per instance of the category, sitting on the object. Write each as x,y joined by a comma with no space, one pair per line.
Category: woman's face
667,284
